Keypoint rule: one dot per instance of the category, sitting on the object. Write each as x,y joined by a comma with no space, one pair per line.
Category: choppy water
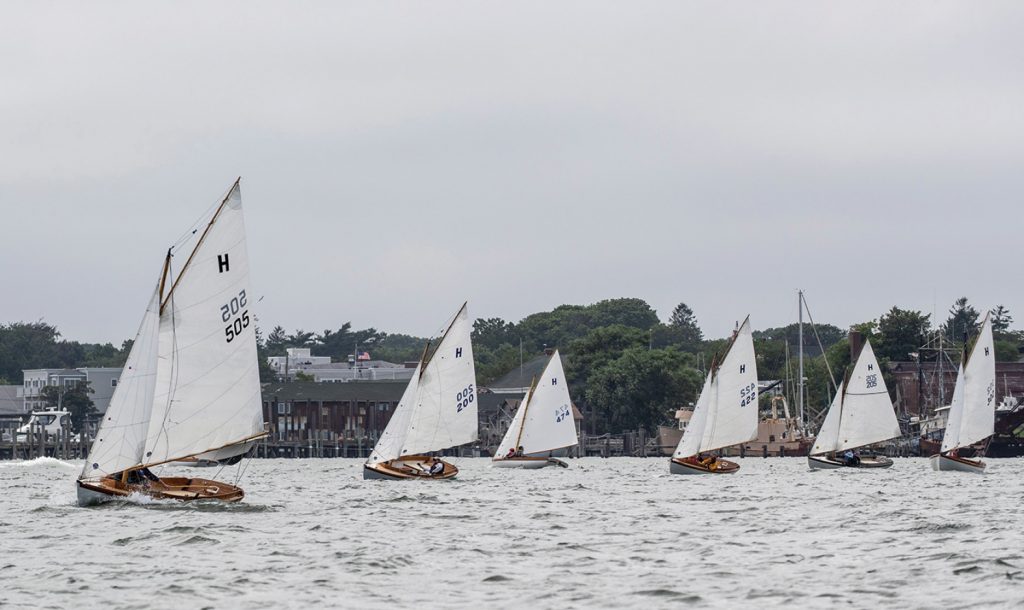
616,532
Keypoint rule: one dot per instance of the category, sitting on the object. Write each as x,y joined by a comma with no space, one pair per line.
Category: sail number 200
231,310
748,394
463,399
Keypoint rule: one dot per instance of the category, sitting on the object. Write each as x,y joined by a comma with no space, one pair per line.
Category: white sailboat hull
527,463
821,462
946,463
88,497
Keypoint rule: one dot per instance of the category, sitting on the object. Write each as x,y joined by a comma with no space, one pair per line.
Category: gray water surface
603,533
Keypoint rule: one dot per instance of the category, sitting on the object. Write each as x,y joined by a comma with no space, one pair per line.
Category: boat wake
40,462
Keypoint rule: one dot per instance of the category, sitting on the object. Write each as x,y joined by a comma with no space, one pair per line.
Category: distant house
304,410
102,380
322,370
11,407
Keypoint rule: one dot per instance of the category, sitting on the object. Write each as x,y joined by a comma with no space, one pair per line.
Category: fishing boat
861,414
726,411
973,410
438,410
542,425
190,386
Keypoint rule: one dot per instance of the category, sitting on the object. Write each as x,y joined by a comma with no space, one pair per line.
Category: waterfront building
102,380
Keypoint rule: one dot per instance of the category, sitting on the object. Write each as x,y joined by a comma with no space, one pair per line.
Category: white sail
389,445
867,414
546,423
689,445
828,437
207,389
121,438
977,421
513,433
730,417
445,409
951,437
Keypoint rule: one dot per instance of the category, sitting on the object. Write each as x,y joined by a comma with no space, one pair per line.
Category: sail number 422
236,315
748,394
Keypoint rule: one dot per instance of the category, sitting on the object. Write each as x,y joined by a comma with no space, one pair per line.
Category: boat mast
800,371
522,424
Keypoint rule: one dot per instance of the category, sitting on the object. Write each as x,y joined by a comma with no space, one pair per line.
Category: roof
514,379
370,391
488,403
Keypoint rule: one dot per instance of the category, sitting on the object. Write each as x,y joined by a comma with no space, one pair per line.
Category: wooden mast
522,424
202,237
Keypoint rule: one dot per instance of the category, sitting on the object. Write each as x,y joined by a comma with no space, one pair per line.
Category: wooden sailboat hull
960,464
528,463
408,467
681,466
98,491
822,462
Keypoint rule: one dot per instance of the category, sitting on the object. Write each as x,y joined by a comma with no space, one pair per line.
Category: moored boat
190,385
973,409
726,410
438,410
861,414
542,425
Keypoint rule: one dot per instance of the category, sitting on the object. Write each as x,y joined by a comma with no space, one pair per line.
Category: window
283,408
113,383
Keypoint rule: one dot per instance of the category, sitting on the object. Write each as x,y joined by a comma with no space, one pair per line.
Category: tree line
625,366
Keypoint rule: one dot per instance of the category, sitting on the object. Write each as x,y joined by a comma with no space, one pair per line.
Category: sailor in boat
519,452
436,467
851,458
511,453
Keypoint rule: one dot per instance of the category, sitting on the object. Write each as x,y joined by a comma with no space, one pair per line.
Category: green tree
1007,351
1001,321
492,333
72,398
597,348
901,332
685,322
642,388
962,321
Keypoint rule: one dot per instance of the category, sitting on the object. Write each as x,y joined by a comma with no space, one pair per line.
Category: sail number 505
236,315
463,399
748,394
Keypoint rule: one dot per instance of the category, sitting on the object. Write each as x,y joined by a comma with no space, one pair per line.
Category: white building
321,369
102,380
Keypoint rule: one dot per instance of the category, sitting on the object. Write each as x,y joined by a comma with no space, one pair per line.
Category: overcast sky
400,157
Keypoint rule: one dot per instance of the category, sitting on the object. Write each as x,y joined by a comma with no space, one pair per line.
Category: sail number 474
748,394
236,315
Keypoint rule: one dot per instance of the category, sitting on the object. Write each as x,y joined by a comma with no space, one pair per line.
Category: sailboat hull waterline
959,464
681,466
528,463
823,462
408,467
93,492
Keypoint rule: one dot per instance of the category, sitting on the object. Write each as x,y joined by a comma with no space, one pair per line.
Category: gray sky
399,157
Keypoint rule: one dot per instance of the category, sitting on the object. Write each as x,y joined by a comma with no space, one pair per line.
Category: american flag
362,355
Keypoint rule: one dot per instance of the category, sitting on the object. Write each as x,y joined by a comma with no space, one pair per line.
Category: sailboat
542,424
726,411
861,414
190,386
438,410
973,410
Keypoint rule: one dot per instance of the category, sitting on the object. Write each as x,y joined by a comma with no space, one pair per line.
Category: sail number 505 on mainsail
240,322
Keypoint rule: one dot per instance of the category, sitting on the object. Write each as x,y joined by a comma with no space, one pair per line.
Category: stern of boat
948,463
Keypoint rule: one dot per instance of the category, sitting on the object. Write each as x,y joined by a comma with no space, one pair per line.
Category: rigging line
195,226
818,339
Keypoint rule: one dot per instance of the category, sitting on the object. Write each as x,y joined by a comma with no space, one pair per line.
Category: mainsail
861,413
439,408
208,387
972,417
726,412
544,420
